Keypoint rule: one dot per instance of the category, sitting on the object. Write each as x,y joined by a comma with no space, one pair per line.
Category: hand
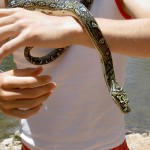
30,28
23,91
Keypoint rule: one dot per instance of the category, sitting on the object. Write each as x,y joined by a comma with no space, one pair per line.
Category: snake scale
86,19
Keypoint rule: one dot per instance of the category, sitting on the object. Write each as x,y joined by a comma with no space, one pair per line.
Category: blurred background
137,86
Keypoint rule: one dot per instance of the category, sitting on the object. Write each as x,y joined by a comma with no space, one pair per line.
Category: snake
86,19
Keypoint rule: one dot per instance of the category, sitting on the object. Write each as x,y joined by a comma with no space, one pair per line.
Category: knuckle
20,23
4,81
29,82
4,96
18,13
29,33
26,34
19,9
6,47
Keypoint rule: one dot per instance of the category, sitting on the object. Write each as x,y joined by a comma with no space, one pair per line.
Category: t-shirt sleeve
124,14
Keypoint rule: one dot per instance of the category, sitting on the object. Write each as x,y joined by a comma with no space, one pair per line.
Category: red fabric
24,147
124,14
123,146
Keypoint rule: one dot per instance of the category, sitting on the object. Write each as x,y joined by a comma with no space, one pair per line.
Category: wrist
77,34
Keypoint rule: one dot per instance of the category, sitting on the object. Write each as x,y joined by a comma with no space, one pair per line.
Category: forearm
128,37
137,8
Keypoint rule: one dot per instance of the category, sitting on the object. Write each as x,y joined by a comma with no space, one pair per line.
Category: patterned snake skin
80,12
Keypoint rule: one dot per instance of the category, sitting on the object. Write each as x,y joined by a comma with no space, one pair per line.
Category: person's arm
137,8
22,91
134,35
128,37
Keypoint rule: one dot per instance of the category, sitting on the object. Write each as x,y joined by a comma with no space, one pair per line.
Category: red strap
123,146
24,147
124,14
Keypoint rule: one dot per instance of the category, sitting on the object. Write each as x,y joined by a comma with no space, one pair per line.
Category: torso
80,115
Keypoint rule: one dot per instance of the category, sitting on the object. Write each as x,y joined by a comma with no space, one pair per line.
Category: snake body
82,14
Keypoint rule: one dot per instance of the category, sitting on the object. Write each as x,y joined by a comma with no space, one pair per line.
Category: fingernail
54,85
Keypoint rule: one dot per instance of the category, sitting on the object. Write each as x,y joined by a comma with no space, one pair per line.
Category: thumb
25,72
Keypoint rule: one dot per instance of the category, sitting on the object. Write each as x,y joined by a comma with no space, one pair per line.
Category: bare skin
21,24
24,88
125,37
137,8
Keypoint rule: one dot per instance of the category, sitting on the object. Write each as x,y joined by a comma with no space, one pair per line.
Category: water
7,125
137,86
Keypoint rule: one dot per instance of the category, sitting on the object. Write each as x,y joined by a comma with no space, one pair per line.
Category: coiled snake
81,13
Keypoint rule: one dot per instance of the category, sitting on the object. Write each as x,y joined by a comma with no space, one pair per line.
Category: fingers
6,20
23,78
26,78
8,31
22,114
10,46
6,12
24,82
25,72
24,103
30,93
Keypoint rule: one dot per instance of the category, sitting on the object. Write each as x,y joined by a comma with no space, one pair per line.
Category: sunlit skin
128,37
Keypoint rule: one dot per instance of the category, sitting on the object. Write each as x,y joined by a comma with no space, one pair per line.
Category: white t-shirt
80,114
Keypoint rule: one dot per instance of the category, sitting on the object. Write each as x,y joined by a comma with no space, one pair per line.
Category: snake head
120,97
